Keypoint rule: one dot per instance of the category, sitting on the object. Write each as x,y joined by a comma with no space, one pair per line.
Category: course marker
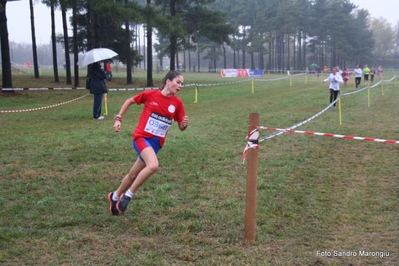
330,135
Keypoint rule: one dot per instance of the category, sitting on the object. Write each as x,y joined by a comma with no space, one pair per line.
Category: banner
241,72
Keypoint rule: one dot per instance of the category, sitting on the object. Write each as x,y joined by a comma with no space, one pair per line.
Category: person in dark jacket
98,88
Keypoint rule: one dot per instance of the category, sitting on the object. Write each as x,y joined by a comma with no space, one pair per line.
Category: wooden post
106,104
196,93
339,110
252,175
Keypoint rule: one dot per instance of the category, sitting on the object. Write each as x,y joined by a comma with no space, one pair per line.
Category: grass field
321,200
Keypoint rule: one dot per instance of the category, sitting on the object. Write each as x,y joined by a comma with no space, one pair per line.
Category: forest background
210,35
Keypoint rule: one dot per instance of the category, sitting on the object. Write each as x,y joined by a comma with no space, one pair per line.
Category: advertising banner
240,72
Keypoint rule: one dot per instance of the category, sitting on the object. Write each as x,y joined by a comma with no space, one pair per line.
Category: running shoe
121,205
112,205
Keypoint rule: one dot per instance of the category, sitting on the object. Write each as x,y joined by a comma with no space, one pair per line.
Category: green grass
314,193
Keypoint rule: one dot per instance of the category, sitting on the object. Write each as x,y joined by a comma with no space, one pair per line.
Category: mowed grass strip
315,194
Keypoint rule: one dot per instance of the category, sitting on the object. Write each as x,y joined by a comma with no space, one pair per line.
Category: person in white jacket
358,75
334,78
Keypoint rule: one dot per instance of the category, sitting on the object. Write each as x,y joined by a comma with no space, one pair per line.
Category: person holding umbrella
313,68
97,88
97,76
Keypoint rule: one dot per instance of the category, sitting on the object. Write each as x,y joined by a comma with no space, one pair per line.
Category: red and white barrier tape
254,144
331,135
253,138
41,108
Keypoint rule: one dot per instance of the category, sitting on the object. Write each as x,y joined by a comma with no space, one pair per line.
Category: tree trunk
304,62
150,81
34,47
294,54
243,52
177,61
184,60
224,57
54,45
214,60
90,28
270,51
261,60
288,52
5,48
189,60
173,41
144,51
244,35
234,54
199,58
173,38
300,64
129,79
75,46
66,44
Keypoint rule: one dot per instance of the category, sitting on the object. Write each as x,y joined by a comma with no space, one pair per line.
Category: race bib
158,125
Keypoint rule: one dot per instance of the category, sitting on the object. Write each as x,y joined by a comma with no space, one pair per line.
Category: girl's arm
122,111
126,106
339,78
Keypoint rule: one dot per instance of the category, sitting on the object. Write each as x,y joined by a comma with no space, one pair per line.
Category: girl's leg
127,181
98,99
151,166
331,95
115,197
140,172
335,96
145,165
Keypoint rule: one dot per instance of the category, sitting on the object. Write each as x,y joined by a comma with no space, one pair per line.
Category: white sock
115,197
129,193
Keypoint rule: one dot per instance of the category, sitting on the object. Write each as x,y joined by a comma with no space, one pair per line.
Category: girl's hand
117,126
184,123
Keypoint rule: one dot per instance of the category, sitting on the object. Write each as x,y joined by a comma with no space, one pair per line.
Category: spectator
108,70
372,72
366,73
358,75
334,78
97,88
346,75
379,70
